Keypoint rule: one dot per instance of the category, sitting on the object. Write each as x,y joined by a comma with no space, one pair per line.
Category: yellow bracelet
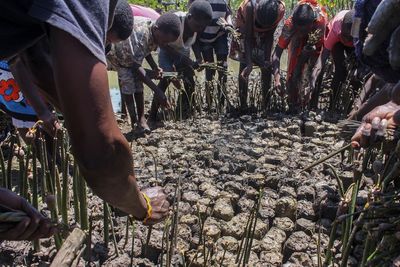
149,208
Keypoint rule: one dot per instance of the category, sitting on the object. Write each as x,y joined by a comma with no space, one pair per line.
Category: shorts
129,82
220,45
168,63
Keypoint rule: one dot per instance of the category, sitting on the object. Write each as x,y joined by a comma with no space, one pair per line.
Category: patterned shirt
133,50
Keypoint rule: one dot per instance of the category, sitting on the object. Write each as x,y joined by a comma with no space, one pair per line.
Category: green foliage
332,6
162,5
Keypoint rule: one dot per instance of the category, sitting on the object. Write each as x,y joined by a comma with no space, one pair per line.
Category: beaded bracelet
149,208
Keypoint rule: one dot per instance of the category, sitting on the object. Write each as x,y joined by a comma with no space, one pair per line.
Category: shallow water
115,99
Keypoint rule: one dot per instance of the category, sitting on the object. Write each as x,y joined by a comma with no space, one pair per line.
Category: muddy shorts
129,82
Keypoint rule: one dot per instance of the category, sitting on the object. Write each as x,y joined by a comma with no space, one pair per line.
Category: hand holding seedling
375,123
29,225
159,205
162,98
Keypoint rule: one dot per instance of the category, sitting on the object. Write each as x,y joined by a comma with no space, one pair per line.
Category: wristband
149,208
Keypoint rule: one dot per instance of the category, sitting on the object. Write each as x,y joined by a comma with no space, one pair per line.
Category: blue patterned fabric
12,101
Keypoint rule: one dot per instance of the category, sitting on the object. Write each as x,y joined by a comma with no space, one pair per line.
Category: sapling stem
106,229
83,203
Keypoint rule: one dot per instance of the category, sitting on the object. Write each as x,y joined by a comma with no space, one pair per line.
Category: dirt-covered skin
224,162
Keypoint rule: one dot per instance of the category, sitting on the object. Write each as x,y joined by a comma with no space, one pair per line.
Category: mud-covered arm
196,47
152,63
102,152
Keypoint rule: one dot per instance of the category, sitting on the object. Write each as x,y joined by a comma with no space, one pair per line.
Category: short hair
303,15
123,20
348,20
201,9
267,12
169,23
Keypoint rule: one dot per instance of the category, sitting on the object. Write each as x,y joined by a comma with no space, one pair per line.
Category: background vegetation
331,5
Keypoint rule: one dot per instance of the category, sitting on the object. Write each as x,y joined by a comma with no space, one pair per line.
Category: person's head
303,16
267,12
199,15
346,26
122,25
166,29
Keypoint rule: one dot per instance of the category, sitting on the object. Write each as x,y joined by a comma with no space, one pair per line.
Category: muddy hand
162,99
34,226
246,72
158,73
159,204
50,123
375,123
278,86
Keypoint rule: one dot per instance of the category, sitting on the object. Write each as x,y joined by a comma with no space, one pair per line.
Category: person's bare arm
276,60
268,41
386,116
196,47
152,63
141,73
99,147
248,42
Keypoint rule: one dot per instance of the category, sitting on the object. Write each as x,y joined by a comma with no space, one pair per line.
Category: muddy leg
130,105
222,79
139,99
163,85
266,77
208,56
243,89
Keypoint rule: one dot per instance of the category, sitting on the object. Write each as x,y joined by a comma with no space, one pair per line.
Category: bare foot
142,125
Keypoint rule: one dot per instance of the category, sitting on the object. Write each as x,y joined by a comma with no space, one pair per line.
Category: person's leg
127,85
186,100
139,98
123,105
339,76
130,106
222,51
166,64
243,88
208,56
222,78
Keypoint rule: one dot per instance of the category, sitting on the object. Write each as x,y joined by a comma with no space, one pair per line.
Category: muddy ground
223,163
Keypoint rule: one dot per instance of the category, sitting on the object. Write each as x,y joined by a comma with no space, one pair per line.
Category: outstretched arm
101,150
141,72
